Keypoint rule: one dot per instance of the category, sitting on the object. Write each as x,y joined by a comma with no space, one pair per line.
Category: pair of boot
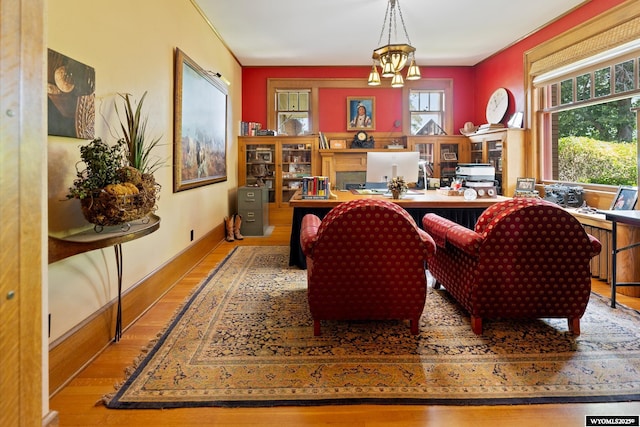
232,225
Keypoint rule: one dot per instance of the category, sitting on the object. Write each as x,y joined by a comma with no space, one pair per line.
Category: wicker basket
105,209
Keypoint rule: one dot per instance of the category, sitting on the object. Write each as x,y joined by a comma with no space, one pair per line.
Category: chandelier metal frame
393,57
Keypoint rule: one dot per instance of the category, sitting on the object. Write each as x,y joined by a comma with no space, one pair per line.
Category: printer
479,172
481,177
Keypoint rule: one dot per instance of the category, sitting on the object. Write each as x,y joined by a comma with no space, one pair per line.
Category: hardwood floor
76,403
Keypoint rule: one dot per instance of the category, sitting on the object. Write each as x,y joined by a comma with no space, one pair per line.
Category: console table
61,247
631,218
417,203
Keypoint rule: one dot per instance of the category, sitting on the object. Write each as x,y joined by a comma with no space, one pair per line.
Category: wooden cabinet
442,153
504,149
278,163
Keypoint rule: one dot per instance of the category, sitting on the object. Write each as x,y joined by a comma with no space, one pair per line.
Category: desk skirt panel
463,216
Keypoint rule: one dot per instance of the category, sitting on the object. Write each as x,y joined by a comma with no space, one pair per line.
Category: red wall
471,88
333,104
506,69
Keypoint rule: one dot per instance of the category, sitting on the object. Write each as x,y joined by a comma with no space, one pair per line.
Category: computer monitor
384,165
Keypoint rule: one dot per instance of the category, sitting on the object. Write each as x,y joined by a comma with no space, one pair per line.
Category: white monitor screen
384,165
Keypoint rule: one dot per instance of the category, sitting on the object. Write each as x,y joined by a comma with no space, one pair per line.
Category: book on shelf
250,128
489,126
315,187
323,143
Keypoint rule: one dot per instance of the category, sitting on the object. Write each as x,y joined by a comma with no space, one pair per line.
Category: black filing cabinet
253,206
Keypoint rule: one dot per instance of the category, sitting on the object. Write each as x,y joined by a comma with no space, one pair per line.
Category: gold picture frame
200,126
361,112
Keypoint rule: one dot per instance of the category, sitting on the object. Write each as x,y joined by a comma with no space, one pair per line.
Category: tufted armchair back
365,260
526,258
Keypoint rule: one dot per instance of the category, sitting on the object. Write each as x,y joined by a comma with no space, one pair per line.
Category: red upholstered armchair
526,258
365,260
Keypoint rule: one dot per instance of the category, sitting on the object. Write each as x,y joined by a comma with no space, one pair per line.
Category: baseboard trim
72,352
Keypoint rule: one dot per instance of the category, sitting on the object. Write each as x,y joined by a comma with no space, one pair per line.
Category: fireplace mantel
346,160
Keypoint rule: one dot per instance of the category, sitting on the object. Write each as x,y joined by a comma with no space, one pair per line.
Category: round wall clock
497,106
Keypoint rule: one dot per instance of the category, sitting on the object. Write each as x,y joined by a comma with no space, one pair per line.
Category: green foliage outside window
588,160
611,121
597,144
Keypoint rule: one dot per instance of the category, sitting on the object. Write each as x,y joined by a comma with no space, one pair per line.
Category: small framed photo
335,144
625,198
525,184
361,112
264,156
449,156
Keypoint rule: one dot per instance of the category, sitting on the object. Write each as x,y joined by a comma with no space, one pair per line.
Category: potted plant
134,128
397,186
115,184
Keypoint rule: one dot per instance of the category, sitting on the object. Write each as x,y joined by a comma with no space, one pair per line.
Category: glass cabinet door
494,154
449,154
296,164
476,152
426,169
260,168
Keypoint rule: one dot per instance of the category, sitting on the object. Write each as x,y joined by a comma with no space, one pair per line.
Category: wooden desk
631,218
415,199
61,247
419,203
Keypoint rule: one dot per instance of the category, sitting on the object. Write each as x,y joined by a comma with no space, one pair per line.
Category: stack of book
250,128
489,126
323,143
315,187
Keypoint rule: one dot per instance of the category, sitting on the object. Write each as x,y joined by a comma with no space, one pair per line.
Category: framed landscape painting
200,126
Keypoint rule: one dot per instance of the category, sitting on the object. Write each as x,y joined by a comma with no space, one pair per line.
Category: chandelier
392,57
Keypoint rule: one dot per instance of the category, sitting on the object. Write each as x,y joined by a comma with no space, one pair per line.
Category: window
590,134
292,109
426,110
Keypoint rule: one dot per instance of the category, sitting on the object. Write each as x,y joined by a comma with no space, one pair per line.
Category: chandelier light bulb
397,80
387,68
374,77
414,71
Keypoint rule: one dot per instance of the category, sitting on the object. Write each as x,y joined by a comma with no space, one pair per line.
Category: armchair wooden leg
316,328
415,326
476,325
574,325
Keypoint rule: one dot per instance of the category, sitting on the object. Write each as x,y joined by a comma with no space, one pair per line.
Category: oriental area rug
245,338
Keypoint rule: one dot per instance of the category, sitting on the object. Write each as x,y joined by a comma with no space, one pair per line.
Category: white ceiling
345,32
